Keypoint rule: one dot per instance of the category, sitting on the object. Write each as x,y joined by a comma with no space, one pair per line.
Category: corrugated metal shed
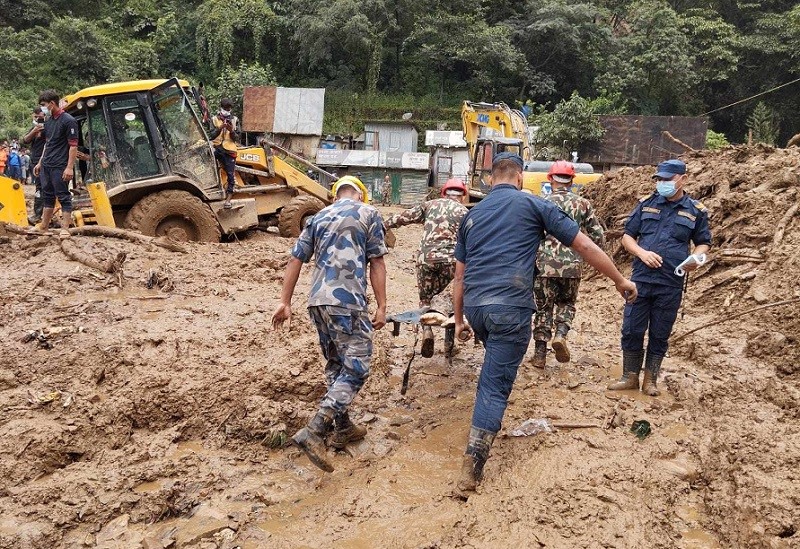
640,140
394,137
449,162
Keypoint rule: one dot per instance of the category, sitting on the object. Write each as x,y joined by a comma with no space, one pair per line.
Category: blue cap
508,156
669,169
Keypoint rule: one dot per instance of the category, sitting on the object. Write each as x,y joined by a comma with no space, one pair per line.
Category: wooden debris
737,315
31,289
783,223
110,265
111,232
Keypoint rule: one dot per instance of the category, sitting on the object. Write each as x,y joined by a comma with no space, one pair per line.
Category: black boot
631,366
346,431
560,343
311,439
539,354
480,441
652,365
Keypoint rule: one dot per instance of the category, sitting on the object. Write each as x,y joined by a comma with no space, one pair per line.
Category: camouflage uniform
559,269
386,193
436,262
343,238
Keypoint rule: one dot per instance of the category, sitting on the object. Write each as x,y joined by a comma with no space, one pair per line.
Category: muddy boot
311,439
560,343
539,354
427,341
631,366
651,368
449,342
346,431
480,440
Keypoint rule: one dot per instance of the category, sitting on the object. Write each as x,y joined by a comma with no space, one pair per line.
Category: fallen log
678,141
737,315
110,265
783,223
113,232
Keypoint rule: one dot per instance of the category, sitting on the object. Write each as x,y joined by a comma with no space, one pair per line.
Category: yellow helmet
354,182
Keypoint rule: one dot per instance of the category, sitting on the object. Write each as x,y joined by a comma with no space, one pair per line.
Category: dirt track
173,409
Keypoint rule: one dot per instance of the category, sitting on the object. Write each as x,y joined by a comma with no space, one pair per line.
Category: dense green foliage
677,57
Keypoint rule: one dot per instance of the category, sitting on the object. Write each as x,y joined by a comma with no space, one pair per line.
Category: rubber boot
560,343
449,342
427,341
311,439
480,440
346,431
539,354
631,366
652,365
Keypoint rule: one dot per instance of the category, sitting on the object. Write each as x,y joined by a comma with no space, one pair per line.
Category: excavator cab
481,164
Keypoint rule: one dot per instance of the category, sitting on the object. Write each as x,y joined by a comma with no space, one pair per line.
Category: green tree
562,43
232,30
482,62
571,123
715,140
652,63
764,124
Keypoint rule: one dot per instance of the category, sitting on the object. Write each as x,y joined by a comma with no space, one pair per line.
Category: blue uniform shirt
343,238
498,240
666,228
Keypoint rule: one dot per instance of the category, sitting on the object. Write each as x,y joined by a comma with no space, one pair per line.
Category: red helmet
562,170
454,185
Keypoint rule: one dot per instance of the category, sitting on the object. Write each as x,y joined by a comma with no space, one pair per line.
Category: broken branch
737,315
110,265
783,223
113,232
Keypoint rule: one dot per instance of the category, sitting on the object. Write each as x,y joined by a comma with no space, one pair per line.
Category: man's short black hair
49,95
226,103
506,167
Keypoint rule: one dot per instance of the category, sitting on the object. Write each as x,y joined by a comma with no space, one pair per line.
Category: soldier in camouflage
386,191
436,263
559,269
344,238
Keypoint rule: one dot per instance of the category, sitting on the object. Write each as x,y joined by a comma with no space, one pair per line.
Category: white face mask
45,110
225,113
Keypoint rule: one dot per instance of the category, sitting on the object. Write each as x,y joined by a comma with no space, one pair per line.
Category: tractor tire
177,215
292,217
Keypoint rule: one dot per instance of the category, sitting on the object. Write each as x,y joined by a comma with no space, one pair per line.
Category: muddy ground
159,417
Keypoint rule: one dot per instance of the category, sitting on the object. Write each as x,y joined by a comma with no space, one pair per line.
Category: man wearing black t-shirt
55,168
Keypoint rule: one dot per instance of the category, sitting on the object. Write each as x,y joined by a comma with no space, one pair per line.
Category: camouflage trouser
386,197
345,336
555,301
433,279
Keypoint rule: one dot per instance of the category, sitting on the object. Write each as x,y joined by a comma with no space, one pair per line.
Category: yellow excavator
149,166
491,128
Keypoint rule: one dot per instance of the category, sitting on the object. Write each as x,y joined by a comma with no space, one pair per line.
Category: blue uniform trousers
654,311
505,332
345,336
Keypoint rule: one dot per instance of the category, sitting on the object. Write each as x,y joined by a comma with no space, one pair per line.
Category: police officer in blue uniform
657,234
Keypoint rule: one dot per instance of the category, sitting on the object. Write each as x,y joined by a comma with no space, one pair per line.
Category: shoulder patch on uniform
687,215
643,199
699,205
651,210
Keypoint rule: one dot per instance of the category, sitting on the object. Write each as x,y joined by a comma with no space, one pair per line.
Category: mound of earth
745,305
